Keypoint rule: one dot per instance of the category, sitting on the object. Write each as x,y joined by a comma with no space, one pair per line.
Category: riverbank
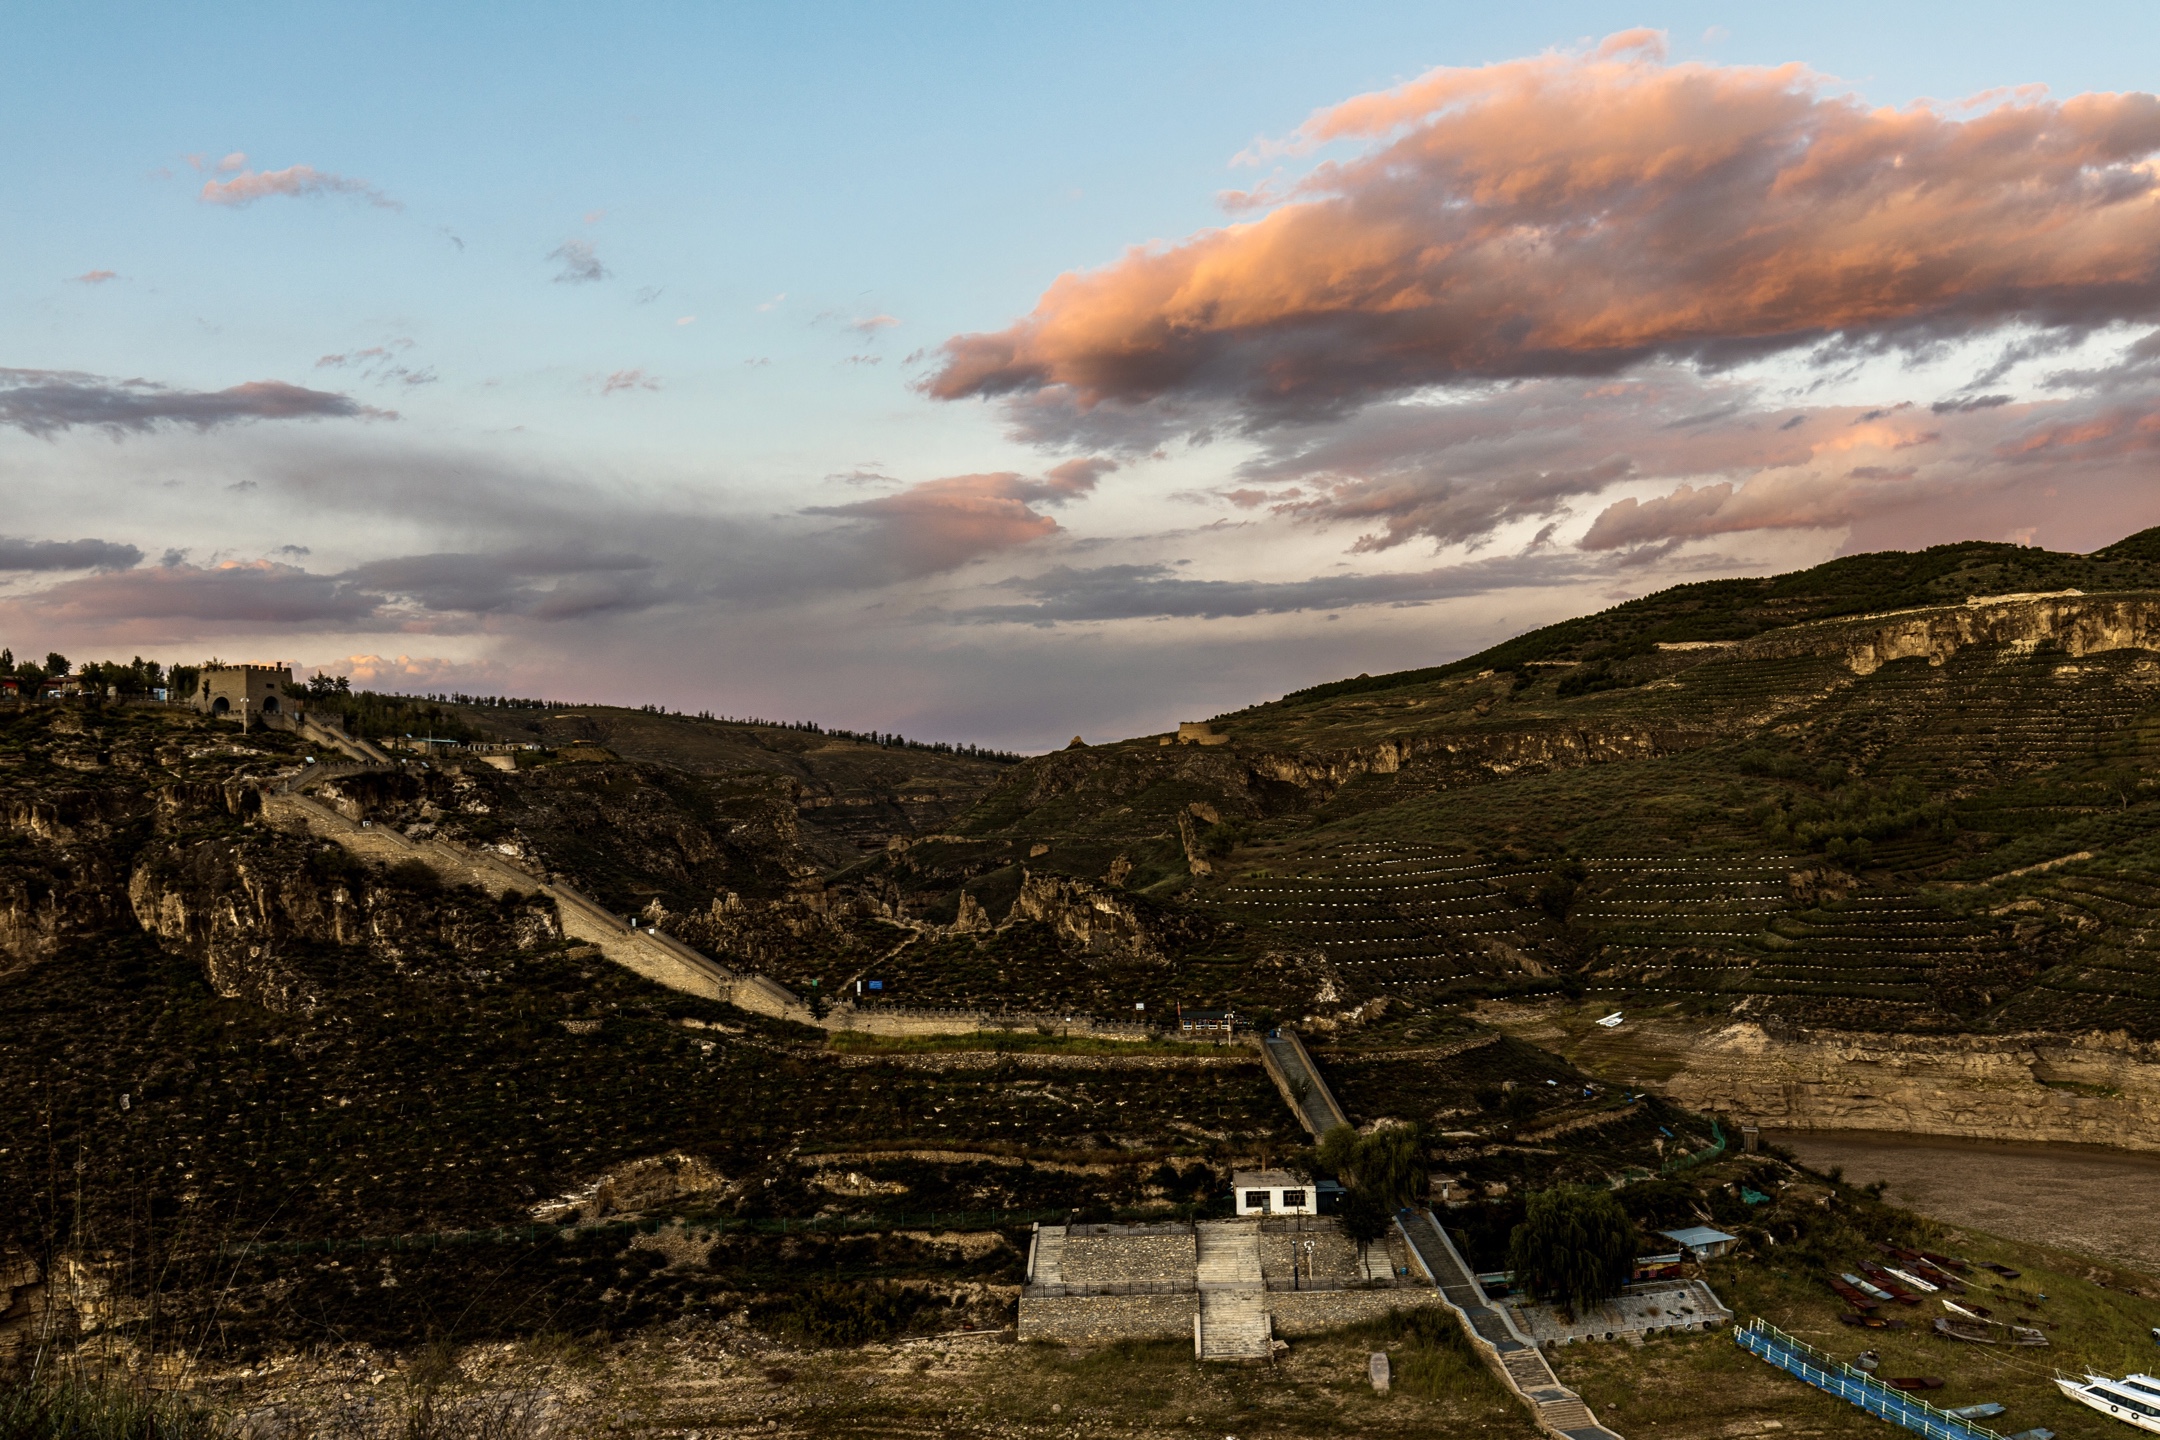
2100,1202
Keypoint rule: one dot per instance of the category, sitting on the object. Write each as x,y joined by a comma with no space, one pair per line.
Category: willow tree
1575,1245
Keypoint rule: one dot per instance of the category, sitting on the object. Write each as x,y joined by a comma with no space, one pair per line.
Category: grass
1686,1386
980,1387
64,1406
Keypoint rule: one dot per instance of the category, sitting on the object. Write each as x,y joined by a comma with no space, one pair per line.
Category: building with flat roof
248,690
1282,1192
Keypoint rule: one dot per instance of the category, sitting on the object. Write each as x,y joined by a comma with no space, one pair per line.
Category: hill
1899,807
1878,794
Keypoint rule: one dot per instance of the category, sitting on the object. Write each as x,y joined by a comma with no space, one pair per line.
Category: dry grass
1683,1387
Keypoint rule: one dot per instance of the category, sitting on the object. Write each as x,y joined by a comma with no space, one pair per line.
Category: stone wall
1128,1259
1100,1319
1314,1312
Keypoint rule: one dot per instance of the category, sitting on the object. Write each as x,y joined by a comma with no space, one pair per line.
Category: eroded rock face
2076,624
1096,920
246,908
63,877
2093,1089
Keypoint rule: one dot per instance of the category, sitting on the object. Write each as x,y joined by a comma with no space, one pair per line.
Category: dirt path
2105,1203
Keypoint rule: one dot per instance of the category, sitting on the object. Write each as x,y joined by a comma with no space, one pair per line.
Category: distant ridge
1740,609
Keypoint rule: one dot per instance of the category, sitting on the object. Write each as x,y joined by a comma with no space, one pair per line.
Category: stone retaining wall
1314,1312
1100,1319
1127,1259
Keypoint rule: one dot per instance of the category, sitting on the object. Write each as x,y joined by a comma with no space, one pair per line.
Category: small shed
1210,1024
1275,1192
1701,1241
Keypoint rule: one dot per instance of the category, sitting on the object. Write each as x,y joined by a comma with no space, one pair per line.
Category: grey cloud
256,595
66,554
539,585
580,264
46,402
1144,592
1966,404
1454,473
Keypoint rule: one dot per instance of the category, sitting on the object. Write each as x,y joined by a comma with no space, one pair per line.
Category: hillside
1898,823
1905,812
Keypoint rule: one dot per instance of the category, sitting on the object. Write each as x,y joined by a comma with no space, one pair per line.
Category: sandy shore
2105,1203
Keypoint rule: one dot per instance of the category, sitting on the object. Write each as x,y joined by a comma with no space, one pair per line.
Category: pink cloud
96,277
249,186
939,524
1581,212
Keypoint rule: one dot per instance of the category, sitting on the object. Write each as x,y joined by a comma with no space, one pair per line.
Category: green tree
1386,1167
1575,1245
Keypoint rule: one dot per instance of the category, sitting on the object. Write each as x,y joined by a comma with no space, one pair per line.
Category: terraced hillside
1881,794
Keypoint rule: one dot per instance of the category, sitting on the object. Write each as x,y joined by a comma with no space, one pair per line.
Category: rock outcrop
2073,623
2090,1089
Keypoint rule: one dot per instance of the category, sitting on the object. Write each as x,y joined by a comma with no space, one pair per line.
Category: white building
1274,1192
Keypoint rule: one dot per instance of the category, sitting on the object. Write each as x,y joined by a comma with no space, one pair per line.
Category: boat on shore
1972,1332
2134,1399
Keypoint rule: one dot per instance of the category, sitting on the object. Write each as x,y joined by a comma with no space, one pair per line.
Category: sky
1002,374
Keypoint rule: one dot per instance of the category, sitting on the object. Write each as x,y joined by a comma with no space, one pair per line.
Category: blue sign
877,984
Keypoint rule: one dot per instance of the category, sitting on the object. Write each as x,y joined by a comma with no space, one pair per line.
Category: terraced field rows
2114,977
1401,920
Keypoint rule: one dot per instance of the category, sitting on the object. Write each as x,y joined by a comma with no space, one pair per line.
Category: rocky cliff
2068,622
2091,1089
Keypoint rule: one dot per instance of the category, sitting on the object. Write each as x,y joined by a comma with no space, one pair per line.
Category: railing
1798,1358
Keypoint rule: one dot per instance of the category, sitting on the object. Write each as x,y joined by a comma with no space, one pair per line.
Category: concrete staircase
1046,1262
1233,1322
1234,1325
1227,1254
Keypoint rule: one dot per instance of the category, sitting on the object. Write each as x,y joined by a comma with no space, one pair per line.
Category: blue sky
698,476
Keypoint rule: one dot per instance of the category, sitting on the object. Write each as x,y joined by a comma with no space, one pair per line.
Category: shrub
415,875
835,1315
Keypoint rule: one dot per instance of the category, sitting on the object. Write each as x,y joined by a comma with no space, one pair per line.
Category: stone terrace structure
1230,1286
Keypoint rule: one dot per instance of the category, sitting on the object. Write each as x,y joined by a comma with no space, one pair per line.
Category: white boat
1913,1280
2134,1399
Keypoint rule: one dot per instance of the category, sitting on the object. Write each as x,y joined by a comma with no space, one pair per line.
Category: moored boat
1972,1332
2134,1399
1851,1295
1873,1292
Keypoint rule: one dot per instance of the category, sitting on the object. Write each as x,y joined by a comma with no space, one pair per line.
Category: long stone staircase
1559,1410
1233,1321
1295,1074
656,956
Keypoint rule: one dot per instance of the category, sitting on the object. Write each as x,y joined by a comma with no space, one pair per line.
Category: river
2105,1203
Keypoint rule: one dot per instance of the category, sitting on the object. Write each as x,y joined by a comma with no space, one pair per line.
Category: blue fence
1862,1389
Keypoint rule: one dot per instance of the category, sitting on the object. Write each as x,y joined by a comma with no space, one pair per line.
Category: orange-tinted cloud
940,524
249,186
1578,213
